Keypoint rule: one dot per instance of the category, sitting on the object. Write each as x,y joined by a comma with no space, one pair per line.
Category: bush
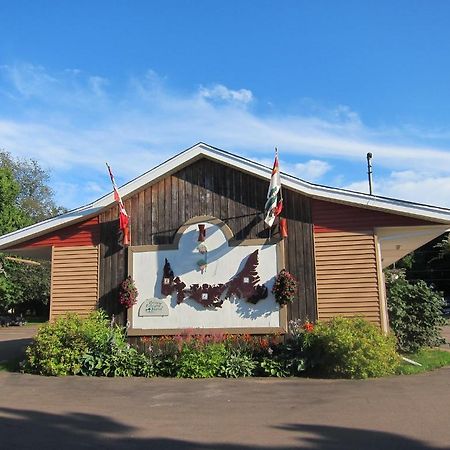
272,367
72,345
351,348
238,364
201,361
415,313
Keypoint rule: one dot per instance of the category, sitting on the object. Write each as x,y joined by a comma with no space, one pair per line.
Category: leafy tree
415,312
11,216
24,286
34,198
25,198
430,263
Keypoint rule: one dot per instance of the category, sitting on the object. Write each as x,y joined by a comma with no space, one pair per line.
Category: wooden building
338,243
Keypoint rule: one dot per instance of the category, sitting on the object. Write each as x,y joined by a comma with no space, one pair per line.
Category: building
337,246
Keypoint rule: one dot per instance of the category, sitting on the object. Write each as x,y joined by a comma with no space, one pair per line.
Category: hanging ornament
283,228
202,264
201,232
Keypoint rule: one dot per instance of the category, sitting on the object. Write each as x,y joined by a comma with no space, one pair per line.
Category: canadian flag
123,216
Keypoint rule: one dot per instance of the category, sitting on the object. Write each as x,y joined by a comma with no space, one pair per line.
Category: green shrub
73,345
351,348
415,313
238,364
201,361
272,367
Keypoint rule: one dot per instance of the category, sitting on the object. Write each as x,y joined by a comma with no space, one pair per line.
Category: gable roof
202,150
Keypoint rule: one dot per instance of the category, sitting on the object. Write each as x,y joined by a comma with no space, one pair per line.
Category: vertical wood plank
181,200
174,206
148,221
195,190
155,216
141,216
188,192
161,216
167,209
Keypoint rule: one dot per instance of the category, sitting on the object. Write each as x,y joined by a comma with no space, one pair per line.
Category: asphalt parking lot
76,412
171,414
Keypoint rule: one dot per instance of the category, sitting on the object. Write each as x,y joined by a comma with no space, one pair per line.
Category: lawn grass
430,358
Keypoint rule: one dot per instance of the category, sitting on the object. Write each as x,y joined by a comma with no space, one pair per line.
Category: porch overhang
397,242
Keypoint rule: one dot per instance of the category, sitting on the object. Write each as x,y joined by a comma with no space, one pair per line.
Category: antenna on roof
369,172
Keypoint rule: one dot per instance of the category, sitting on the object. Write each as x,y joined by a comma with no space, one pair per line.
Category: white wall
224,263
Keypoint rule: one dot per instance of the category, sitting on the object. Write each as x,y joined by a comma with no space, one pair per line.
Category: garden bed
340,348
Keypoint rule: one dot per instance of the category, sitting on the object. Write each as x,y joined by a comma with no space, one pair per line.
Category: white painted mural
223,263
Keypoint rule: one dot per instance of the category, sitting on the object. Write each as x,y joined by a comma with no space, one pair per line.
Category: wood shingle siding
74,283
347,277
206,187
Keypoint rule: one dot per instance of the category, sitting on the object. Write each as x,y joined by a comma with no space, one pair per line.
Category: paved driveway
13,341
168,414
74,412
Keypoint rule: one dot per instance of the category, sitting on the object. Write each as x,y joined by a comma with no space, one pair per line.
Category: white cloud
419,187
221,92
312,170
73,122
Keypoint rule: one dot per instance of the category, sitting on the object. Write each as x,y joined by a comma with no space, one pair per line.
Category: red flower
308,327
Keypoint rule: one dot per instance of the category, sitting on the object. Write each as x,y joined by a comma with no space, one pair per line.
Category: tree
24,287
430,263
35,197
11,216
415,312
25,198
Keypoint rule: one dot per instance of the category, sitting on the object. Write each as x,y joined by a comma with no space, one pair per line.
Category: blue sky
134,82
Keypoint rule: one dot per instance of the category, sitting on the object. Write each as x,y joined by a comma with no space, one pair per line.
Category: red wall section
330,217
82,233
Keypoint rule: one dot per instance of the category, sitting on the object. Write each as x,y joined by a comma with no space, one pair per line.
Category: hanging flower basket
285,288
128,293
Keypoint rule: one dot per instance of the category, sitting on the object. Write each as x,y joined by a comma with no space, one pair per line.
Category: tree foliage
430,263
11,216
34,198
415,312
25,198
24,287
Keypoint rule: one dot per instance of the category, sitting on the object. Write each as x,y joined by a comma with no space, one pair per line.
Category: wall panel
347,277
74,280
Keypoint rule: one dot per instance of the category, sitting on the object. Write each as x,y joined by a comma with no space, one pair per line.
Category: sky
136,82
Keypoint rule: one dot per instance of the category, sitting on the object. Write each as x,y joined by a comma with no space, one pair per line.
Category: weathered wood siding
74,283
347,277
208,188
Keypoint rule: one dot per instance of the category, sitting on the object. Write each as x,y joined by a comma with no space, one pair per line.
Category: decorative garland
128,292
285,288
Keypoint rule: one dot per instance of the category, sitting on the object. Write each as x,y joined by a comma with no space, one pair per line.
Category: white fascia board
240,163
